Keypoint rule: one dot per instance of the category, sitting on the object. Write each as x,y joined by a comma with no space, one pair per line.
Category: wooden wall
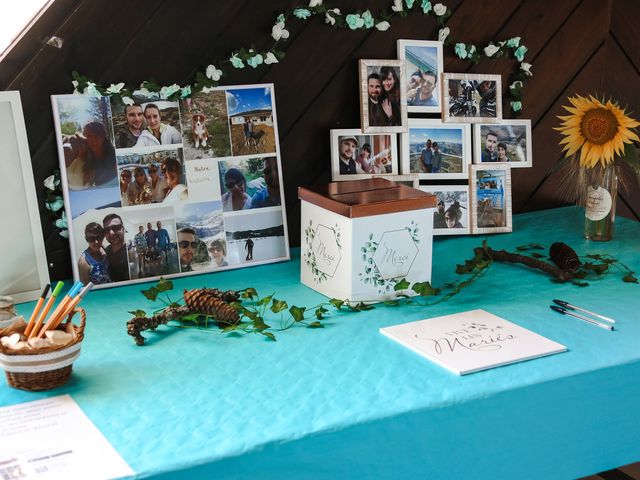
576,46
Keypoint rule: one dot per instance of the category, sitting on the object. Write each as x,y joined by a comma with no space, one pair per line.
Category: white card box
360,238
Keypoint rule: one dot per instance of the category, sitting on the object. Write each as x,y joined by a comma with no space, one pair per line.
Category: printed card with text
471,341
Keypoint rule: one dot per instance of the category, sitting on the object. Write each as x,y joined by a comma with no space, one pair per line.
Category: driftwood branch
508,257
137,325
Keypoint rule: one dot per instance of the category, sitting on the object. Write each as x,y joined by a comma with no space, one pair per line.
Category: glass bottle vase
601,185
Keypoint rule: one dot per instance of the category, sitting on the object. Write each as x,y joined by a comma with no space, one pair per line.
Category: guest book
471,341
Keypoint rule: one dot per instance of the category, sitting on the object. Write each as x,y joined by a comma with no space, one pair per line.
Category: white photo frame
24,272
471,98
410,180
455,216
454,140
223,195
421,56
374,118
513,137
490,188
382,159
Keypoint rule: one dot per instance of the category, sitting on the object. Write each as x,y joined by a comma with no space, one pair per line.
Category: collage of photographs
158,188
453,141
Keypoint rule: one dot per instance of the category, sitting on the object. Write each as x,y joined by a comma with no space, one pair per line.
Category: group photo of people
359,155
423,65
504,143
381,88
151,242
249,183
152,176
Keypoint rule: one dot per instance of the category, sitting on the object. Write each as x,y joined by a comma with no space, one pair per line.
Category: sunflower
599,129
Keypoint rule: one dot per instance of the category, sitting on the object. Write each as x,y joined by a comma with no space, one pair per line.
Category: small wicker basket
45,368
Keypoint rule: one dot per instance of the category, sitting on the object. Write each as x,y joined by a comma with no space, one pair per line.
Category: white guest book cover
471,341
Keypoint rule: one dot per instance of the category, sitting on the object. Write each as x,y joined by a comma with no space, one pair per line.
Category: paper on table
471,341
53,439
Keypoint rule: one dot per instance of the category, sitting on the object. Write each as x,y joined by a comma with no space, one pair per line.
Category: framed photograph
436,151
451,216
355,155
410,180
383,102
422,67
508,142
163,188
472,98
490,188
24,271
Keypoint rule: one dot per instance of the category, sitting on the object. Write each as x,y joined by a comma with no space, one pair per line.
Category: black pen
564,311
564,304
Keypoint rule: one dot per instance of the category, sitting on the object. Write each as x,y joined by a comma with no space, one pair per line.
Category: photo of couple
201,236
249,183
451,216
383,101
504,143
423,65
147,124
356,156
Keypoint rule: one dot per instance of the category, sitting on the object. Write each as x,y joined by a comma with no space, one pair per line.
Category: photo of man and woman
451,216
356,156
88,157
249,183
205,125
491,198
382,100
146,123
151,242
152,176
472,98
251,121
423,65
508,142
435,150
201,230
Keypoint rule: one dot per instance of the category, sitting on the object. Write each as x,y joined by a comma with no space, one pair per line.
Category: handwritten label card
471,341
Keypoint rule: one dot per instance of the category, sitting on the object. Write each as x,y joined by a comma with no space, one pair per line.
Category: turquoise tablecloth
347,402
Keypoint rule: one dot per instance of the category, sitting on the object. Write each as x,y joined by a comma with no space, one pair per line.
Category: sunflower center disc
599,126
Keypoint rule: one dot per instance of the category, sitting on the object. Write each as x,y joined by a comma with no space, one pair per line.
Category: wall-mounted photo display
452,214
508,142
355,155
422,67
472,98
436,151
148,186
409,180
490,187
383,102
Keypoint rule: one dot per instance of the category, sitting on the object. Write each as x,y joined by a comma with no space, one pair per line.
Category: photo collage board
451,137
158,188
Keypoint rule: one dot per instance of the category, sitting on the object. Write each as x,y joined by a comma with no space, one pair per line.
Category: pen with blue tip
565,311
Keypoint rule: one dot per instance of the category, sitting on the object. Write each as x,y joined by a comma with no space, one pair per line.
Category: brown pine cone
228,296
199,300
564,257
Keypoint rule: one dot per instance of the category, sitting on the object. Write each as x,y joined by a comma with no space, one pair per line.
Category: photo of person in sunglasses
236,197
187,244
93,265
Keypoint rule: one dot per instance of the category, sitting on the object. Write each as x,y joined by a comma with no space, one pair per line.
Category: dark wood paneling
576,46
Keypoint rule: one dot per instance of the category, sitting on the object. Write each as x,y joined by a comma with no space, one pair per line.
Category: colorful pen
36,310
54,322
73,291
50,302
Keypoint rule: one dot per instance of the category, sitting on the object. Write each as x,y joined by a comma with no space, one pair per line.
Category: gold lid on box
363,198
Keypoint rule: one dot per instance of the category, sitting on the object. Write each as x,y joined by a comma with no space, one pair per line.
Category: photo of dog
199,131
